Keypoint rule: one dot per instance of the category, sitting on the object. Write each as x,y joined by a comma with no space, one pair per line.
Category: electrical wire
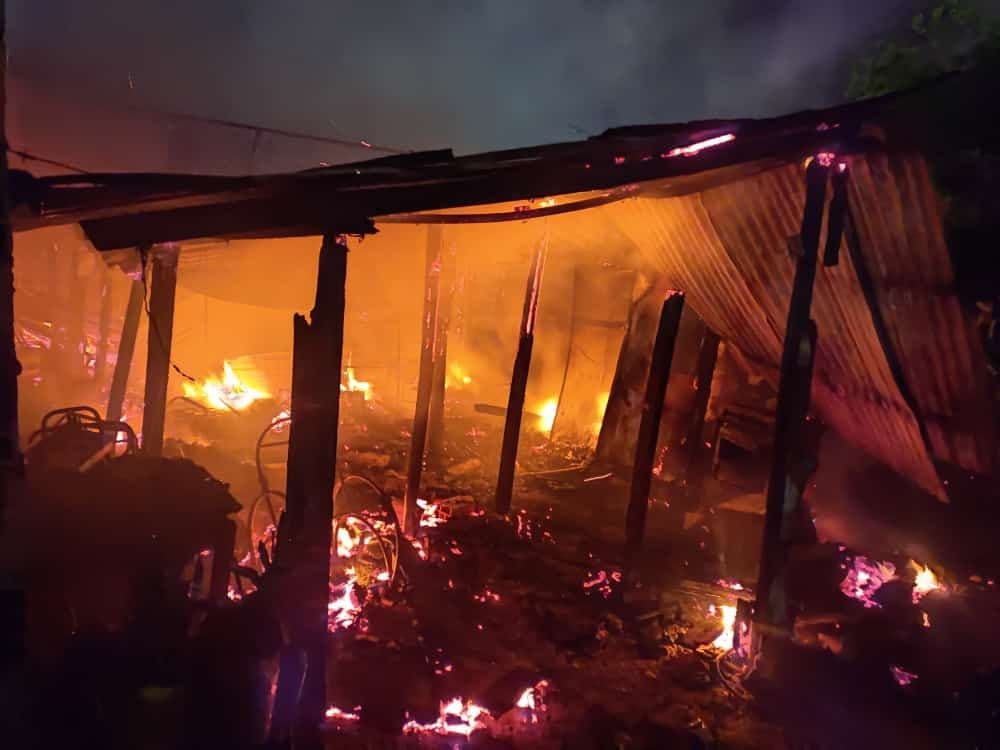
144,252
43,160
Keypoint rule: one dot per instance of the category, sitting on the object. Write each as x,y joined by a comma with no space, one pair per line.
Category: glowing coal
924,582
865,577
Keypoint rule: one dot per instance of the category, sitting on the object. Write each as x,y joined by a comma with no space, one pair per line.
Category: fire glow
547,415
459,717
925,582
865,577
228,393
353,385
696,148
726,638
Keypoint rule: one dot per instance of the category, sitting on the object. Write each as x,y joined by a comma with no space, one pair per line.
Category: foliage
950,35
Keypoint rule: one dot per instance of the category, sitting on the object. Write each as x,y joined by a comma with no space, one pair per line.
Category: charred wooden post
103,326
793,391
161,330
708,355
649,425
305,530
10,456
126,350
519,384
425,381
435,428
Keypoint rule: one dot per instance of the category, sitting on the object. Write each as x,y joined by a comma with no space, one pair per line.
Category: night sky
471,74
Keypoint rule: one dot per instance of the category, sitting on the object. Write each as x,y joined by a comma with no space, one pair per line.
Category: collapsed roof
899,371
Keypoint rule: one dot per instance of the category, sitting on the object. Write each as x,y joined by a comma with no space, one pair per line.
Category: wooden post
649,424
126,350
425,382
161,330
519,383
103,326
793,387
306,527
10,368
708,355
574,313
435,427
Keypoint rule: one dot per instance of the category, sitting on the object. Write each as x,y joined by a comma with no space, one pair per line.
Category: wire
42,160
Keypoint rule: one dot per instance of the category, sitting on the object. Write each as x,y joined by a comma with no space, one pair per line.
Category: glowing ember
901,676
346,544
337,714
728,616
343,608
696,148
731,585
926,620
456,717
421,547
487,596
925,582
602,581
431,515
547,415
278,424
229,393
864,578
353,385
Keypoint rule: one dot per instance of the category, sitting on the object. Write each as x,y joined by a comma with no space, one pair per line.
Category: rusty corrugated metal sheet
728,249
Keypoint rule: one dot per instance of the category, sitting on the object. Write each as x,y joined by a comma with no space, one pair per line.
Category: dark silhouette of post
793,398
163,275
425,381
649,423
519,383
305,530
435,427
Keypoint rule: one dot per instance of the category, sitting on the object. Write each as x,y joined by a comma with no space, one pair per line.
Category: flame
354,385
278,424
725,639
547,415
229,393
431,515
925,581
457,376
346,543
343,608
695,148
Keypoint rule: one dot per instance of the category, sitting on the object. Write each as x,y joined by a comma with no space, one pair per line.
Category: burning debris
227,393
864,578
726,638
458,717
901,676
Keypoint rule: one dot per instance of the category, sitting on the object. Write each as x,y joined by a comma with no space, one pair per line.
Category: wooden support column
425,381
10,368
793,392
519,383
103,326
435,428
649,424
126,351
305,529
161,329
697,458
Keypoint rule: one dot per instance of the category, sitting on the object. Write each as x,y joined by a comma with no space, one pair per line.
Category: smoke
472,74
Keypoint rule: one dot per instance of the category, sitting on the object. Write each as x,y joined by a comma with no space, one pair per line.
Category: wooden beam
425,381
435,428
161,331
126,351
793,387
305,529
519,383
649,424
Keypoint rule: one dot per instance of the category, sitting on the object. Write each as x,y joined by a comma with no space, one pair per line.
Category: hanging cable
143,259
42,160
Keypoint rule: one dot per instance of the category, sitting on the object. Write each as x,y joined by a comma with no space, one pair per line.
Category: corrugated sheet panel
728,249
899,225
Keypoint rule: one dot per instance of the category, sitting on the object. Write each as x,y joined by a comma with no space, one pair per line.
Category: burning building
558,418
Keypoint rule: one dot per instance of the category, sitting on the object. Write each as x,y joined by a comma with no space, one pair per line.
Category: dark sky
472,74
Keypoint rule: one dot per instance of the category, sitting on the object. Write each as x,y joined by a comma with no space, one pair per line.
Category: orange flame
925,581
725,639
229,393
354,385
547,415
